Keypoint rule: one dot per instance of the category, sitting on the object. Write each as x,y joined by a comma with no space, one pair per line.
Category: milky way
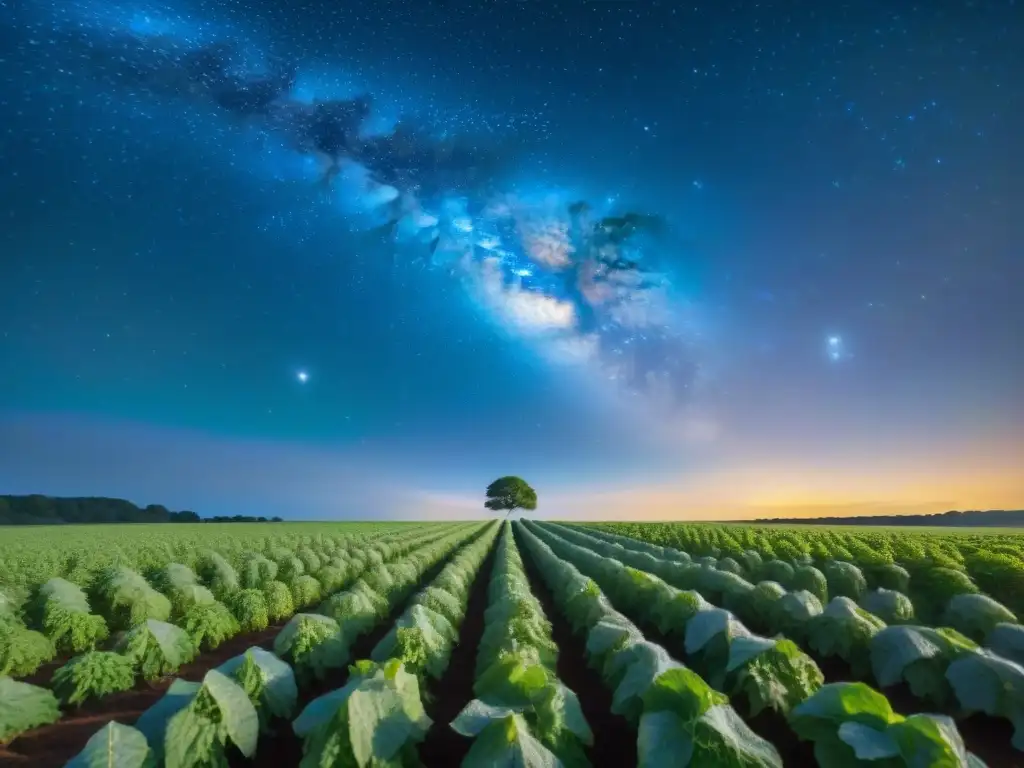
578,282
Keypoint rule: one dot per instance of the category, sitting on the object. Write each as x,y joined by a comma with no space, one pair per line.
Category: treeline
988,518
50,510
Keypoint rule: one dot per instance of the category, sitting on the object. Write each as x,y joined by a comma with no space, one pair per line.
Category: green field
490,643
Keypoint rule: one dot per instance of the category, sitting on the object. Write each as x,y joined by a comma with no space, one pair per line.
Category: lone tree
510,493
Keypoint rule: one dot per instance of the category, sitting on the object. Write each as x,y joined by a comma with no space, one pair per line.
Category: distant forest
50,510
989,518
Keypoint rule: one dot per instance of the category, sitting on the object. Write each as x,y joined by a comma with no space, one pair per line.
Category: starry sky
824,317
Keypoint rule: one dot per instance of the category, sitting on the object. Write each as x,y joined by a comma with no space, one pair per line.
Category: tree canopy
510,493
37,509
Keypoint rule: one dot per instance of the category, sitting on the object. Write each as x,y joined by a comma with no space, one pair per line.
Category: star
302,376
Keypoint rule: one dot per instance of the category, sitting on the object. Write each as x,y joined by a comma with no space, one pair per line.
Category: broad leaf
114,746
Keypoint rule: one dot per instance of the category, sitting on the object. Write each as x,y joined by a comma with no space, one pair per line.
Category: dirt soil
447,697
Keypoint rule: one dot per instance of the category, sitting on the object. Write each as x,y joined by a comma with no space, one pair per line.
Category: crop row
196,722
150,647
679,598
674,641
991,563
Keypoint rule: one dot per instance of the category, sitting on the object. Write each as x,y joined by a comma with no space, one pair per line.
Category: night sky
822,312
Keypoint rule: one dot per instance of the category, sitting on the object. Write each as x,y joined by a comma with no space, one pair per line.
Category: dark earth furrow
614,737
446,697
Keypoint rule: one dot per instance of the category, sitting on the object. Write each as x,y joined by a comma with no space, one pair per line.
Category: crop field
510,644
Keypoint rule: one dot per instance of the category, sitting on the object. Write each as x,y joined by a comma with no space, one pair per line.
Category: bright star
302,376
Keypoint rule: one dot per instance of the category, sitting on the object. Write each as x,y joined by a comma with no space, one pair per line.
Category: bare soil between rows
447,696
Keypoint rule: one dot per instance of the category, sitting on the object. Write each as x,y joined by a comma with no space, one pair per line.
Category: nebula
580,283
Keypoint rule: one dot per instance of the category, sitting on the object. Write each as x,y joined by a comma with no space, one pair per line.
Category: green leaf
93,675
985,682
930,741
322,709
868,743
743,649
821,716
478,715
376,717
384,715
278,691
508,743
663,740
513,679
157,648
723,739
682,691
709,624
192,740
643,663
114,746
24,706
153,722
717,738
773,673
237,713
976,615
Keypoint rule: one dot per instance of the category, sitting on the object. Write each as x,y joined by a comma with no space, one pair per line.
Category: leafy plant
208,624
305,591
116,746
794,612
193,724
267,681
888,576
709,637
257,571
932,588
157,648
127,599
985,682
218,574
809,578
521,706
1007,640
853,725
845,630
22,650
93,675
279,600
422,639
376,719
919,656
331,578
249,607
312,644
889,605
772,673
845,580
62,610
686,723
977,615
777,571
23,707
